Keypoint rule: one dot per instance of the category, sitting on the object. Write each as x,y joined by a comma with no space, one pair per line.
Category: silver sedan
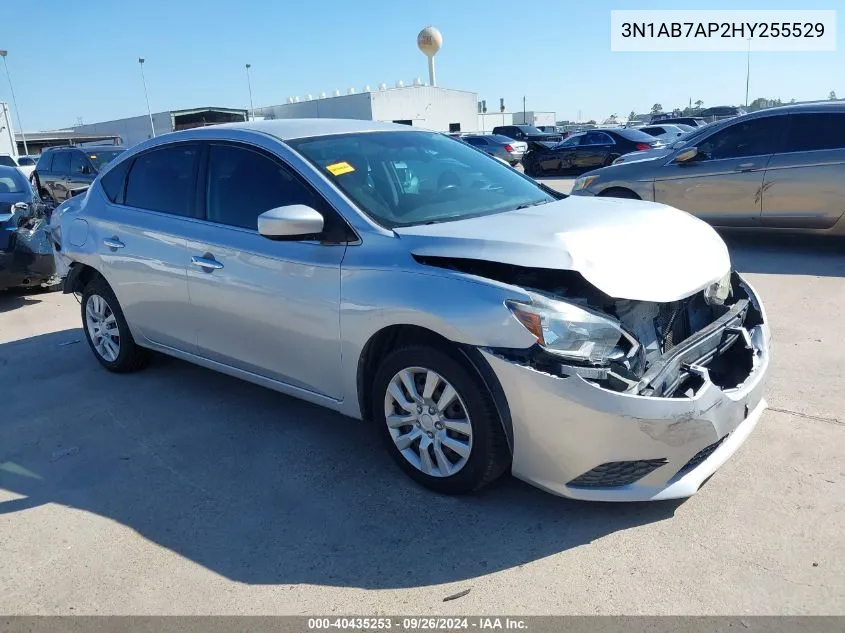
597,348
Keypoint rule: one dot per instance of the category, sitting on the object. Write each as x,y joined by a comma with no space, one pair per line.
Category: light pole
747,72
249,84
149,112
14,102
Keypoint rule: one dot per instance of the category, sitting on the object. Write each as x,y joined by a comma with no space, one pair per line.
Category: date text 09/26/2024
417,624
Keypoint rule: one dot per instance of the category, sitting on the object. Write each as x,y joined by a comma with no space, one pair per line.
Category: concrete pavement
178,490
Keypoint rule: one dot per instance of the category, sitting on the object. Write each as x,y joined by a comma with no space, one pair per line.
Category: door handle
204,262
113,242
745,166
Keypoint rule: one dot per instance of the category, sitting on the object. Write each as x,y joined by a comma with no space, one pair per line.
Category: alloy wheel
101,323
428,421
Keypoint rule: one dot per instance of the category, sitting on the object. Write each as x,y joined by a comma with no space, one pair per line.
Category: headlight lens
583,182
568,330
719,291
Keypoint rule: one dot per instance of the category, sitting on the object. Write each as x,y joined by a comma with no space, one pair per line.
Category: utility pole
249,83
524,121
149,112
17,109
747,72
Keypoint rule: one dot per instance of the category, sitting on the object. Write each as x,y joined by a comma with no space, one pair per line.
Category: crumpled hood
628,249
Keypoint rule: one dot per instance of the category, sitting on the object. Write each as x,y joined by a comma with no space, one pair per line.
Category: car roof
86,149
289,129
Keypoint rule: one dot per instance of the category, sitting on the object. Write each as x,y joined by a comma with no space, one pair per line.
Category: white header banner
722,30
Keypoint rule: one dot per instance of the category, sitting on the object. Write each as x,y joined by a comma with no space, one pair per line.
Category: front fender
461,308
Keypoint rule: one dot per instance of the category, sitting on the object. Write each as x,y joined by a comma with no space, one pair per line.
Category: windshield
102,158
409,178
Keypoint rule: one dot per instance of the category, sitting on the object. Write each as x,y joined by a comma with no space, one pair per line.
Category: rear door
724,184
141,241
804,185
58,178
593,150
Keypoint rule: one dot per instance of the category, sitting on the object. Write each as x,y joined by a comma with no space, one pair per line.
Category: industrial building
431,107
139,128
535,118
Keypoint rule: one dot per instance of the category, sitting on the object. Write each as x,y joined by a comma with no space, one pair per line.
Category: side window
596,138
756,137
114,180
478,142
78,163
61,163
243,184
817,131
164,180
44,162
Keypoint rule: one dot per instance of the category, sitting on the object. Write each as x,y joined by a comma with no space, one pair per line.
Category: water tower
429,42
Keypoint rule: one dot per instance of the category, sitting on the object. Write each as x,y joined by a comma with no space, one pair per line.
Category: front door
723,184
263,306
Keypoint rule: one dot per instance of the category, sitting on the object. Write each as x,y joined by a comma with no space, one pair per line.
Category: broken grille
613,474
672,324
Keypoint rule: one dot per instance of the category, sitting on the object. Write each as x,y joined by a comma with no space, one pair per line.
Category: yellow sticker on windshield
338,169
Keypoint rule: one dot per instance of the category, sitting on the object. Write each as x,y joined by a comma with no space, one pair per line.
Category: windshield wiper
531,204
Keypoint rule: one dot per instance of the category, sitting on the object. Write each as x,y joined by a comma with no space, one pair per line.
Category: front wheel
438,420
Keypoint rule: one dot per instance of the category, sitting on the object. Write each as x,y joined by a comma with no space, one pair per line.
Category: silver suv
774,169
484,322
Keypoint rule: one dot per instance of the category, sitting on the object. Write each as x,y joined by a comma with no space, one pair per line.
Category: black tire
531,169
620,193
489,456
130,356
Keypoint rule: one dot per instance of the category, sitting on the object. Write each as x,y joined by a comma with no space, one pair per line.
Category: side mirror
687,155
296,220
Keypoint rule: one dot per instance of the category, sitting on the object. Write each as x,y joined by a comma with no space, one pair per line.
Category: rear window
500,139
529,129
634,135
10,184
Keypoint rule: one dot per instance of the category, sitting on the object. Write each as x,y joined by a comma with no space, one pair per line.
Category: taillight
509,149
641,147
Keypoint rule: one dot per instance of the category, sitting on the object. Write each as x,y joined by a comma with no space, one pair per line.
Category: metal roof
287,129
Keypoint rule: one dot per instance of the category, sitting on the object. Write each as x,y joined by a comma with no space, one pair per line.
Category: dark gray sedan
502,147
779,168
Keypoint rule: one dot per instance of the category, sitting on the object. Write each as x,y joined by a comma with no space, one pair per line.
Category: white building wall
357,106
535,118
486,122
132,130
7,131
429,107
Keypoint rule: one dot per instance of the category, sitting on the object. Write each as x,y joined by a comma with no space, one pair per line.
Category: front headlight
570,331
583,182
719,291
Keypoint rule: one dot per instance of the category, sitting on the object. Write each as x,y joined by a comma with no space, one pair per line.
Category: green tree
699,104
656,108
758,104
832,95
632,116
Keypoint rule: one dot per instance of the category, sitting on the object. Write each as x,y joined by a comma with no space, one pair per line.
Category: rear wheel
438,420
107,332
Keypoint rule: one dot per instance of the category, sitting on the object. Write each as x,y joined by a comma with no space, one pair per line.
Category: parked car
25,164
527,133
586,150
686,120
484,322
502,147
666,132
26,255
780,168
61,172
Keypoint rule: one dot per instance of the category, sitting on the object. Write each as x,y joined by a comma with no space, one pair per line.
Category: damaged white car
597,348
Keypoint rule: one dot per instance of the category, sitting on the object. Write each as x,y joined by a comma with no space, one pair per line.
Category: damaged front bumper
26,255
576,438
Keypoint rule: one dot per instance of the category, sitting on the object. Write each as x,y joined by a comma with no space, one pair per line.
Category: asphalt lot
178,490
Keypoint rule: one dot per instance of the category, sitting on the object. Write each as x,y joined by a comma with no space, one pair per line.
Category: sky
79,60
